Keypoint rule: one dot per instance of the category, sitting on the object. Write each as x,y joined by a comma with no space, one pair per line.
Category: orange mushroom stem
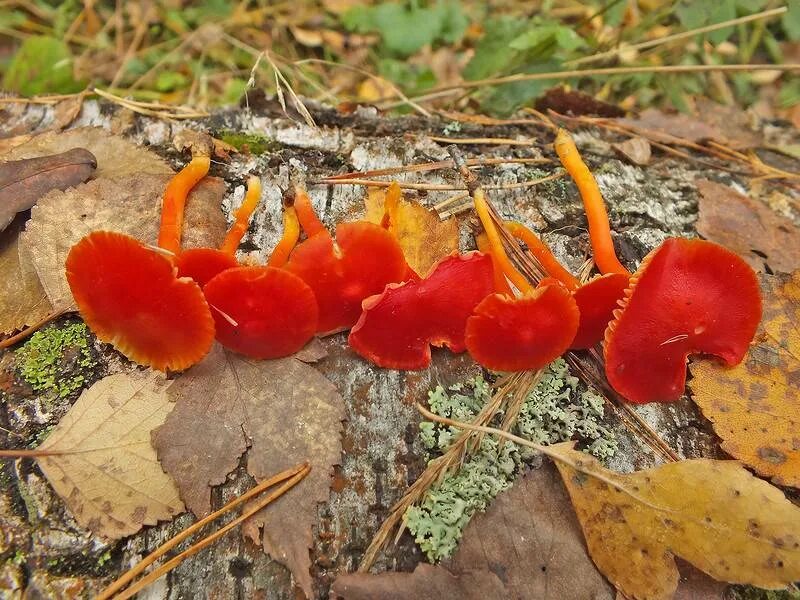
169,236
306,214
543,254
500,282
599,229
242,216
291,233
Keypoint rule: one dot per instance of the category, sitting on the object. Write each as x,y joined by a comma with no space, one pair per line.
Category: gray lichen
556,410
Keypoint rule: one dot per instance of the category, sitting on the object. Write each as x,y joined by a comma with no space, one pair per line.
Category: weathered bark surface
42,548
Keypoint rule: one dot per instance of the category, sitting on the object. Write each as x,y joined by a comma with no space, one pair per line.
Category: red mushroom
129,297
688,297
515,334
363,259
397,327
262,312
201,264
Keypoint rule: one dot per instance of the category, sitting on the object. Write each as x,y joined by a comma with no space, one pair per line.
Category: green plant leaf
493,53
791,20
168,81
42,64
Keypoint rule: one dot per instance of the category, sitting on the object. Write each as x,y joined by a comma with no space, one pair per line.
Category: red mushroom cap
129,296
364,259
597,300
688,297
262,312
202,264
398,326
520,334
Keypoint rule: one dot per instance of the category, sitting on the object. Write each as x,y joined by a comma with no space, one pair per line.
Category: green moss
56,360
253,143
747,592
555,411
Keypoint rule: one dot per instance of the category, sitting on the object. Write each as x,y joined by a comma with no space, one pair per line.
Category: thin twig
486,141
435,187
31,329
435,166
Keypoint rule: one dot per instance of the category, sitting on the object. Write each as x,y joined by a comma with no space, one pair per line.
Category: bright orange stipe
169,236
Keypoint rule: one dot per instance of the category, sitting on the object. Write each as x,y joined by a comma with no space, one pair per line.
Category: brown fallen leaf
23,182
735,126
22,298
424,238
766,240
574,102
713,514
286,412
130,205
754,406
66,111
116,156
636,150
527,545
104,467
664,127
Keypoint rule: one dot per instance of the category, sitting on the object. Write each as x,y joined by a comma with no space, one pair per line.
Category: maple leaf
130,205
116,156
102,464
714,514
424,238
754,406
285,412
525,546
22,298
767,241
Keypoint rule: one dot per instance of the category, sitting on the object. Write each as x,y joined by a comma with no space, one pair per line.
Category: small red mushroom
688,297
129,297
342,273
201,264
262,312
397,327
507,333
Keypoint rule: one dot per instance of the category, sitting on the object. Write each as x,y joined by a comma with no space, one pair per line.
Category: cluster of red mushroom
163,306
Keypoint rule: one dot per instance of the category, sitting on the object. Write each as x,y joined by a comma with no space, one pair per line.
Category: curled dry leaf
527,545
130,205
424,238
713,514
636,150
104,467
754,406
766,240
286,412
23,182
116,156
22,298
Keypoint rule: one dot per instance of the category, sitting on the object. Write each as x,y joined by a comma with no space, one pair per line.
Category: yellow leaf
754,406
103,465
424,238
714,514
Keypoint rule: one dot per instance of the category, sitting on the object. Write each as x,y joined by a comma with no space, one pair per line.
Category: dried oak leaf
754,406
22,298
103,465
636,150
527,545
130,205
116,156
423,236
285,412
714,514
737,128
766,240
665,127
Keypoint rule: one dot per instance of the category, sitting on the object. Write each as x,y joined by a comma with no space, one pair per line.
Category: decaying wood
42,547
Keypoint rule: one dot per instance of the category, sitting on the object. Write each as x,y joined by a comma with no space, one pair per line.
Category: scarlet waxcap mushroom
262,312
599,229
397,327
129,297
520,334
688,297
543,254
597,300
306,214
364,258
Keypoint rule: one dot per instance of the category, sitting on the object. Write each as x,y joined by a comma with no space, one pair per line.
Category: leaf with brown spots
766,240
22,298
285,412
528,545
130,205
424,238
755,406
103,465
714,514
